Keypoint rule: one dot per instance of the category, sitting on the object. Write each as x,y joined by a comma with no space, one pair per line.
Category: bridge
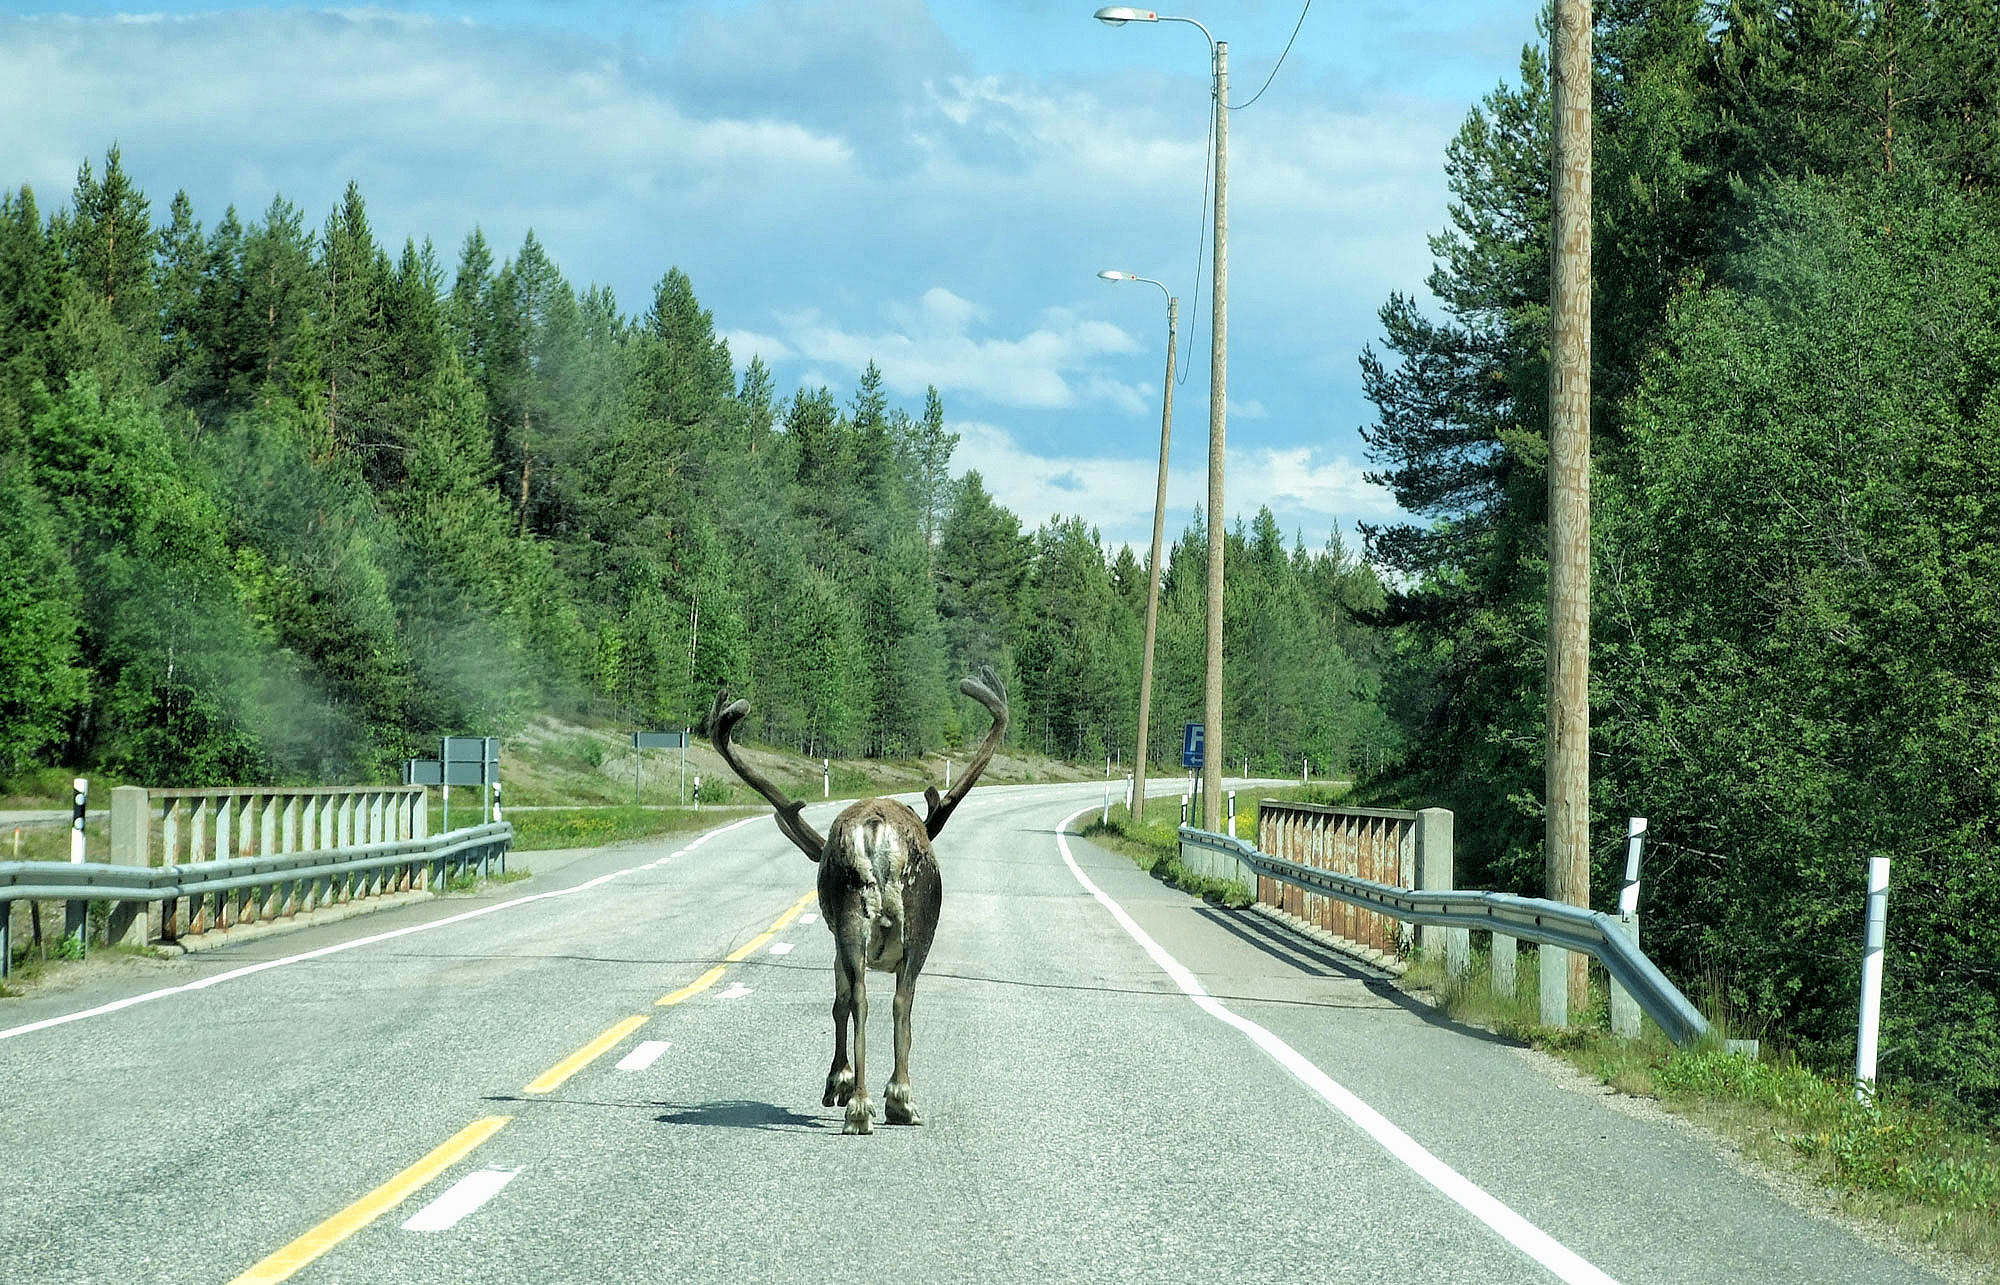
612,1072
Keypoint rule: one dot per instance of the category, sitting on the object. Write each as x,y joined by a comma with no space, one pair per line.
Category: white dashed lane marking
738,991
647,1053
782,948
464,1196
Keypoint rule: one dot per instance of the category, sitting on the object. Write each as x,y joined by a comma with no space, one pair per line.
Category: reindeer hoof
839,1088
897,1107
860,1117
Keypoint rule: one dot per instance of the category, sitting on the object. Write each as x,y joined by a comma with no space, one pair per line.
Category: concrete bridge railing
186,862
177,827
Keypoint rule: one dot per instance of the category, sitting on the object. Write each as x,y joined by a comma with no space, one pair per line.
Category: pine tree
280,293
108,247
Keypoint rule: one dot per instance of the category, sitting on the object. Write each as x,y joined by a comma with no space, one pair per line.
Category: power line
1281,60
1201,239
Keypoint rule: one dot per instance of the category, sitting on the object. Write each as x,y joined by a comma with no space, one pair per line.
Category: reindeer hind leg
897,1107
840,1076
860,1111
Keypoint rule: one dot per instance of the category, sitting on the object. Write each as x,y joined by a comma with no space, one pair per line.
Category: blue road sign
1192,736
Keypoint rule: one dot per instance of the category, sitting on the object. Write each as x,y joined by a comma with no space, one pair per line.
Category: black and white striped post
76,914
1873,935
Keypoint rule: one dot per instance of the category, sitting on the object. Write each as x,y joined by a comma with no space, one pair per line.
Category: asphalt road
1119,1084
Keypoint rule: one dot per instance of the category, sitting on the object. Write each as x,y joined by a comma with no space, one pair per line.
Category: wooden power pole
1568,797
1218,420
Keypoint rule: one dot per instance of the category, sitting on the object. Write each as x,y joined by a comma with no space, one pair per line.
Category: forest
278,504
1796,506
275,504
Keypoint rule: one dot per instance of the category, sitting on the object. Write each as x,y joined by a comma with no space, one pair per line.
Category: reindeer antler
985,689
723,717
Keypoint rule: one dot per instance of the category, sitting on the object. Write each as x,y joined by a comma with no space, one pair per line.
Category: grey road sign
423,772
659,740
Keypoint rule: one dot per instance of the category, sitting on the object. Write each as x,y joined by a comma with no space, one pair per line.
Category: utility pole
1153,569
1218,428
1568,767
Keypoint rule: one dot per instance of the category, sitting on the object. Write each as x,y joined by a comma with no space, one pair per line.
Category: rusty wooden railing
1383,845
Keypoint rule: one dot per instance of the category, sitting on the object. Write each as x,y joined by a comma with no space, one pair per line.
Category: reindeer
879,893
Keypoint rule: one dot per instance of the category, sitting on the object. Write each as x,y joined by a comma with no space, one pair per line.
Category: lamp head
1117,15
1112,274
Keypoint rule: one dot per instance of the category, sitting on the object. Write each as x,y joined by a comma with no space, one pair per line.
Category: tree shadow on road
1310,957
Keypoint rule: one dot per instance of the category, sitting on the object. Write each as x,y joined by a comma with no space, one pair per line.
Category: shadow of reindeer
744,1115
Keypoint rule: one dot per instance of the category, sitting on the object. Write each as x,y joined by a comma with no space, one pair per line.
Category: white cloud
393,98
745,344
1307,490
1301,479
932,344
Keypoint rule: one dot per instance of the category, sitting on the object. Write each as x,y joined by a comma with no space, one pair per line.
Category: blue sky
930,185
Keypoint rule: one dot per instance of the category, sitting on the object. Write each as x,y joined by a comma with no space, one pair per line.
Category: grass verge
590,827
1155,848
1929,1175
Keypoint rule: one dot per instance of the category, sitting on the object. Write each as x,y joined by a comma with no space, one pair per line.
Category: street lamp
1117,15
1153,564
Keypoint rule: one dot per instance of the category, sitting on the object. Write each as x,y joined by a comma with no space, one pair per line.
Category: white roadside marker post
1871,978
1624,1008
76,914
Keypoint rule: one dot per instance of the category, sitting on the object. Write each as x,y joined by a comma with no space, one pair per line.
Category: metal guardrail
328,867
1550,923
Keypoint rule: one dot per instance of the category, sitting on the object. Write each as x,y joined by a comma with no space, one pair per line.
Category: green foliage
548,828
1806,614
41,678
1797,347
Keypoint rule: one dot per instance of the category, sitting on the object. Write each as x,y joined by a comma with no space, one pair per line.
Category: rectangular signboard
1192,737
423,772
462,773
470,749
659,740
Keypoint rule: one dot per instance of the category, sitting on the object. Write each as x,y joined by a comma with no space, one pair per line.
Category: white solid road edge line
250,969
1531,1240
461,1199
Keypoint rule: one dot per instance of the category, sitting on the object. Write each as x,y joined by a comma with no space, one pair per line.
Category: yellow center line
552,1078
366,1210
751,947
785,919
741,953
695,987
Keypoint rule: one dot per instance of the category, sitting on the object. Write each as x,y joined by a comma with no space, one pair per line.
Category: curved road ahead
1120,1083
